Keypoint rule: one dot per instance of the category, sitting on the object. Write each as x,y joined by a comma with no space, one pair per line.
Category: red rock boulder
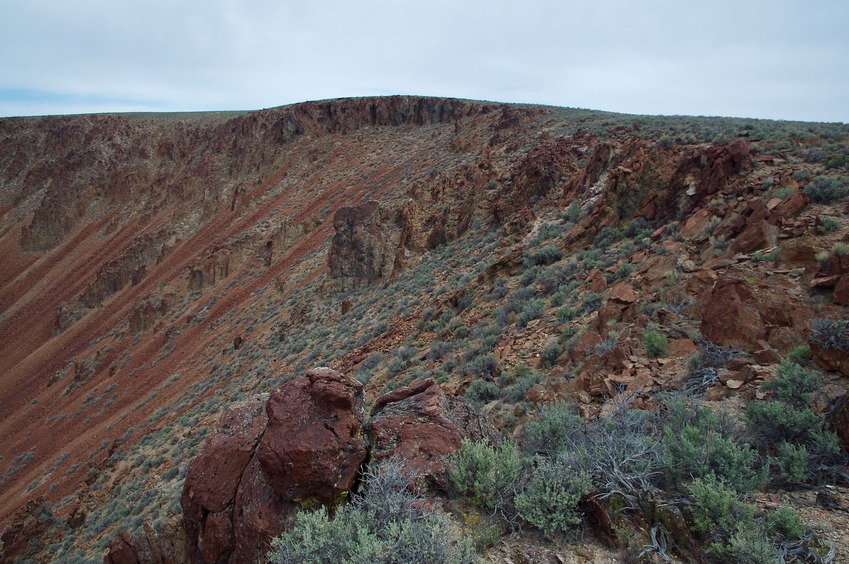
213,478
730,315
313,446
423,426
302,446
737,313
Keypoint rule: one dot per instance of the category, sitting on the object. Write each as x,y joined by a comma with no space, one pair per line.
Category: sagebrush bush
698,452
550,354
718,513
791,463
830,333
566,313
827,225
385,524
549,496
794,384
606,237
655,343
488,475
546,255
550,432
785,524
800,355
480,392
827,189
773,424
533,309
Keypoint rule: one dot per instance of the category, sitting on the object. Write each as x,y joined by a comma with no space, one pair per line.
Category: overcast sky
782,59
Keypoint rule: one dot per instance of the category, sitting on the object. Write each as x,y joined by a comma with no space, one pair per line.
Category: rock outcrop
367,244
736,313
302,446
423,426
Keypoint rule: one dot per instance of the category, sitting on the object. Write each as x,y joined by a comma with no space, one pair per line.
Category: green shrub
699,452
517,392
549,497
488,475
482,365
655,343
549,433
827,225
565,314
573,213
621,453
480,392
830,333
792,463
749,545
532,310
794,384
785,524
591,303
557,298
758,256
718,513
775,423
827,189
800,355
606,237
546,255
550,354
385,524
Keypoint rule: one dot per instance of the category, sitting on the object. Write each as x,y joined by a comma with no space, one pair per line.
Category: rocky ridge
156,268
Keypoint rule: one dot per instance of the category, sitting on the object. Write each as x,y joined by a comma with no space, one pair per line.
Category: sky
778,59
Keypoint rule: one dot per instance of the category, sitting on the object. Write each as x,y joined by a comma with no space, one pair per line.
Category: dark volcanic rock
313,446
301,447
213,478
366,243
423,427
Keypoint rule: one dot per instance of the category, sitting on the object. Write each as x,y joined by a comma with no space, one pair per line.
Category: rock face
213,480
313,445
151,547
302,446
366,245
423,426
736,313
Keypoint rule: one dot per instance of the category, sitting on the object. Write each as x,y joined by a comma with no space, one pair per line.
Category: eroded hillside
158,268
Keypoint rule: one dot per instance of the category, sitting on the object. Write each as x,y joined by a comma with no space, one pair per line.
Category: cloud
779,59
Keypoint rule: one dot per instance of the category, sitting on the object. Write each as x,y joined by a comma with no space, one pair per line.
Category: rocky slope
157,268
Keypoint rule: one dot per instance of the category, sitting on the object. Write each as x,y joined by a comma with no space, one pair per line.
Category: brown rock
681,347
423,426
623,292
831,359
756,236
585,346
214,476
790,206
596,281
301,447
366,245
695,228
121,550
840,296
730,315
313,445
